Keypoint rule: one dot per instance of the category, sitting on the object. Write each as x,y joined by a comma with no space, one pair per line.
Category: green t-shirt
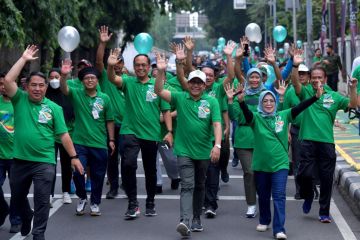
116,96
37,125
91,115
174,82
195,124
143,108
271,151
164,129
318,120
291,100
244,137
6,129
356,74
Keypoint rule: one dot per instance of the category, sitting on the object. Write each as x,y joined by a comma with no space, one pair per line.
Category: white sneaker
261,228
94,210
81,207
66,198
251,212
51,202
280,235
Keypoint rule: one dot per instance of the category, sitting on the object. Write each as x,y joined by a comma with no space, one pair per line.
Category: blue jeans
5,165
274,184
96,159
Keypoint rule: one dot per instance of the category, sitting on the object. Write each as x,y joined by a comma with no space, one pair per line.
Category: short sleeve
59,126
109,114
174,98
215,109
16,98
343,102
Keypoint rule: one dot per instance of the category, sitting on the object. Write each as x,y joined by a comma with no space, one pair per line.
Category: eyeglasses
90,78
268,101
144,65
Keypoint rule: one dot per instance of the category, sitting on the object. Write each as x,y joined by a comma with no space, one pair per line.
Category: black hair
2,75
318,68
317,49
55,70
39,74
144,55
329,46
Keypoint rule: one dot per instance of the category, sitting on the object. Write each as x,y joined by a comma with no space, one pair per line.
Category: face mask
55,83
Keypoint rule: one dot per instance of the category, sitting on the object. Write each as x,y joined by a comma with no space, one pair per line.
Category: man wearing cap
140,129
198,116
38,121
290,100
316,133
94,118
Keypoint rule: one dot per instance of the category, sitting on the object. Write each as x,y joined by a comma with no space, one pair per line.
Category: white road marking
341,223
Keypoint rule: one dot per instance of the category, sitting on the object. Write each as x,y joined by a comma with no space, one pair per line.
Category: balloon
253,32
220,48
68,38
221,41
286,46
281,51
214,49
143,43
299,44
279,33
257,49
270,75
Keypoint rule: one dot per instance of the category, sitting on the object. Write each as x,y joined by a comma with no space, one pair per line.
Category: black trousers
132,146
23,173
332,81
323,155
66,171
113,160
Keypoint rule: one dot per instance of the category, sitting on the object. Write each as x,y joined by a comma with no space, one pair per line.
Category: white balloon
258,38
253,31
68,38
286,45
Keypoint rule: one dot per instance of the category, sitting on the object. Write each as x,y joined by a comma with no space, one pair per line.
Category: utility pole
309,29
294,20
333,21
274,14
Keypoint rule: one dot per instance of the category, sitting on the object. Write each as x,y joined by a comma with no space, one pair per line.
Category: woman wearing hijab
244,139
270,161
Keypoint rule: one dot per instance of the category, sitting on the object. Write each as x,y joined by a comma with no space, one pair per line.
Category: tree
162,30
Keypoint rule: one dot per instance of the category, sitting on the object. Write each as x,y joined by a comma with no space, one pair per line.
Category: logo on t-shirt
150,94
279,124
212,93
44,114
204,109
328,100
98,106
7,121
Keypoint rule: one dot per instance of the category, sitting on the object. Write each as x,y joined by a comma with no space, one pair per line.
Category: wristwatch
218,146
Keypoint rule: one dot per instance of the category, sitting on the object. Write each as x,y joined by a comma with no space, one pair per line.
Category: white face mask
55,83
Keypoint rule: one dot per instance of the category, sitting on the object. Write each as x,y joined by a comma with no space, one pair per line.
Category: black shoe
225,176
132,213
150,212
210,212
112,194
196,225
175,184
3,214
15,228
26,225
158,189
297,196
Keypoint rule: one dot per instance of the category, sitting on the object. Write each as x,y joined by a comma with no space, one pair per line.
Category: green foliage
162,30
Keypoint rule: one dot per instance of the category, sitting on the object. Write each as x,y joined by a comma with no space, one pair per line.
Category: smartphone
349,80
246,50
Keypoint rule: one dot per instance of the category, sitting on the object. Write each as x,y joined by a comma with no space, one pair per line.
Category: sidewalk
347,144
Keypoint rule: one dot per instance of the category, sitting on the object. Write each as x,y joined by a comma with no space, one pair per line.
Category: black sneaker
175,184
225,176
111,194
26,225
196,225
15,228
150,212
158,189
3,214
183,228
210,212
132,213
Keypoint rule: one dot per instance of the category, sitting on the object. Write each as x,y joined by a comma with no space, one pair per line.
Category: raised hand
30,51
298,56
230,91
104,34
161,62
189,43
172,47
179,52
353,83
282,88
319,90
229,48
269,53
113,57
244,40
240,50
66,67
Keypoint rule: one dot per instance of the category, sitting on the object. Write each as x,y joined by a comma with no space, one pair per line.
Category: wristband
170,131
74,157
112,140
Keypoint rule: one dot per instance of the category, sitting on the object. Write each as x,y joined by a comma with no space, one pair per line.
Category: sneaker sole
95,214
80,213
150,214
210,214
197,229
251,215
183,230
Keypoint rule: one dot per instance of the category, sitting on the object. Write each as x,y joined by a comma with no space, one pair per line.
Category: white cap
303,68
197,74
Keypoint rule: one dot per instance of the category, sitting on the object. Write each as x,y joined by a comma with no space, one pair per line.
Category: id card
95,114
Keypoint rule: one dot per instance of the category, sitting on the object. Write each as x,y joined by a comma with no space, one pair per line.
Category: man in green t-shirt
38,122
94,118
6,155
140,129
198,116
316,133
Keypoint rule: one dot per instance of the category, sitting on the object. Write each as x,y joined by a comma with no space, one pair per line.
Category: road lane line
347,158
56,205
340,222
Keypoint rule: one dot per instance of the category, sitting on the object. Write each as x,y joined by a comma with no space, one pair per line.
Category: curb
348,178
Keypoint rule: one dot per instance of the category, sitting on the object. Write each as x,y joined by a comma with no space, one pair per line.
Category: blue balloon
257,49
279,33
221,41
270,75
299,44
220,48
143,43
281,51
